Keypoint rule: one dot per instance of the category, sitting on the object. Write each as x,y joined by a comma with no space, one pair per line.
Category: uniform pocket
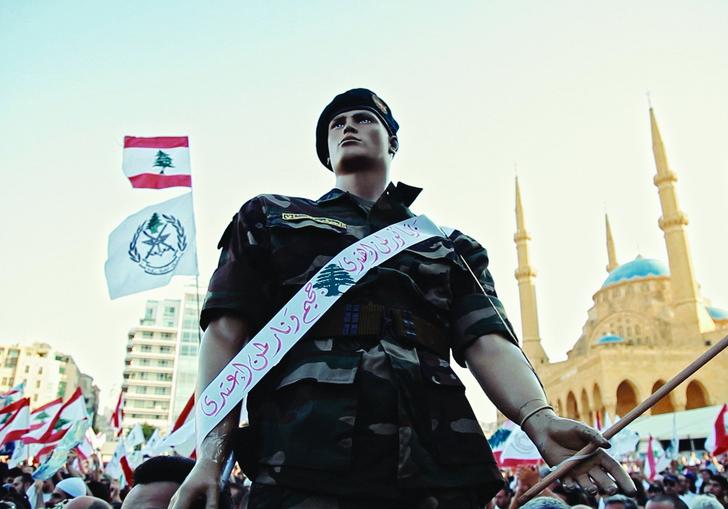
456,433
307,421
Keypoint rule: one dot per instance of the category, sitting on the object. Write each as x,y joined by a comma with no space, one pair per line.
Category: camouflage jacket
347,413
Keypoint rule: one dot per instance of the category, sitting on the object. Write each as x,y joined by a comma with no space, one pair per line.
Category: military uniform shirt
346,413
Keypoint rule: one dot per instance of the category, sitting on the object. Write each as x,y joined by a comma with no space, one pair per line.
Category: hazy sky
557,88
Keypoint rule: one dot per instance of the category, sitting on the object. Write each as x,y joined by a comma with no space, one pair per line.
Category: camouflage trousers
279,497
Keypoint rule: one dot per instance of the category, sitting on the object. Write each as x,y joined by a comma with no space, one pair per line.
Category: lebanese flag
159,162
70,412
43,414
119,465
717,441
118,416
17,422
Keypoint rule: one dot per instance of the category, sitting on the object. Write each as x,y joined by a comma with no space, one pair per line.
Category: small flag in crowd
158,162
717,441
16,420
151,246
135,437
182,437
519,450
656,460
118,416
498,440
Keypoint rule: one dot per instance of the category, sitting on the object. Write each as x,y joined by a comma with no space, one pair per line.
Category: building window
169,310
146,348
167,335
147,334
40,371
27,369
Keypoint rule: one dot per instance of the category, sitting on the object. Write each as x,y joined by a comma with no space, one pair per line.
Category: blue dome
636,269
605,340
717,314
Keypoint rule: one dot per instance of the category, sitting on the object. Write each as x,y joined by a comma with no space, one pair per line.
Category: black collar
402,193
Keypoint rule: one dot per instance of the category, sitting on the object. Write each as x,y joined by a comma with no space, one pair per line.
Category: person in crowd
545,503
665,501
620,502
156,480
718,487
22,482
86,502
503,498
702,482
705,502
68,489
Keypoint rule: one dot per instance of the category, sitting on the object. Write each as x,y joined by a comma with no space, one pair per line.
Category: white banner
290,324
151,246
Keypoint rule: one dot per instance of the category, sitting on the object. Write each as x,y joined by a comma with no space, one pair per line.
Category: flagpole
197,298
565,466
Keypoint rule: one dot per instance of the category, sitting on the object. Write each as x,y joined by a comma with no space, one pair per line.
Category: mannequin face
358,140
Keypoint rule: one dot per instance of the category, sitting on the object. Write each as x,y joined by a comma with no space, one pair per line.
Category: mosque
647,322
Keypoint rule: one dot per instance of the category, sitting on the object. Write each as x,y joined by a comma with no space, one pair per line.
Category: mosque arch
586,410
626,397
664,405
696,395
572,410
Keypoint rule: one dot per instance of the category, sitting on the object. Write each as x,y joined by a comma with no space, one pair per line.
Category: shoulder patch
290,216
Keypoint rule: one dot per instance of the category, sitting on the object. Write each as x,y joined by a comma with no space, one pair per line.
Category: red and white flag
181,438
717,441
159,162
70,412
43,414
119,466
16,420
118,416
519,450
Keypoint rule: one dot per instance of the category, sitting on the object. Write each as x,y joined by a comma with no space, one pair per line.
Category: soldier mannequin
357,141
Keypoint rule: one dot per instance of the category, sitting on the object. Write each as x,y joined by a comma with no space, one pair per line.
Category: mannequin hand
558,439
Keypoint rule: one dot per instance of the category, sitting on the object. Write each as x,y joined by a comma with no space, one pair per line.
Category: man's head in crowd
665,501
156,480
87,503
67,489
22,482
718,487
620,502
671,485
503,498
545,503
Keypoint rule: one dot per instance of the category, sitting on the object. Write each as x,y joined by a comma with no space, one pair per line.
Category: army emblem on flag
151,246
158,244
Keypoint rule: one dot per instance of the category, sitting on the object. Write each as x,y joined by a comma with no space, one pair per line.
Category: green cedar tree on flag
158,162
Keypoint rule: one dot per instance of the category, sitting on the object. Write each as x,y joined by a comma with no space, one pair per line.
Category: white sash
292,322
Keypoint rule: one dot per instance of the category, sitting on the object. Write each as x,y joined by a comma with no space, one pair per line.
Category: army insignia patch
162,242
380,104
289,216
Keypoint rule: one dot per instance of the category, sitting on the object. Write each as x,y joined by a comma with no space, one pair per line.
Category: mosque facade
647,322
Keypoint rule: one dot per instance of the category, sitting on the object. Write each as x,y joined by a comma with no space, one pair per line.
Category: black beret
354,99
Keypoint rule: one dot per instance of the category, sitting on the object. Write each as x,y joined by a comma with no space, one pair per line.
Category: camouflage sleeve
237,286
474,314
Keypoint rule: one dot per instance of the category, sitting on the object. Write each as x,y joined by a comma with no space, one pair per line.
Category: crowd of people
157,479
677,487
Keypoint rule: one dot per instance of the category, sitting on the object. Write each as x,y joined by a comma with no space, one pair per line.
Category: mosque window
636,329
621,330
629,331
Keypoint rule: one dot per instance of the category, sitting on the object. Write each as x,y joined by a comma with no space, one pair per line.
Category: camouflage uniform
356,409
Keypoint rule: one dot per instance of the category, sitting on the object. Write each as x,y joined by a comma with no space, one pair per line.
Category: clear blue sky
556,87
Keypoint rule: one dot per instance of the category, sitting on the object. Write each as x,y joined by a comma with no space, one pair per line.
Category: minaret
611,252
525,276
690,316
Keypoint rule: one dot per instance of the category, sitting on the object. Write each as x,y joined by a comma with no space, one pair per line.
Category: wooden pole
660,393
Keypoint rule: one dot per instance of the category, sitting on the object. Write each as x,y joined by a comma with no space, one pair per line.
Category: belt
373,319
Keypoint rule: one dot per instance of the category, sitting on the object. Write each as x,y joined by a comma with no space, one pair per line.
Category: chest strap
375,320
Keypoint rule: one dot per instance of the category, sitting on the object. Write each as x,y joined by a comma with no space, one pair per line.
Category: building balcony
137,354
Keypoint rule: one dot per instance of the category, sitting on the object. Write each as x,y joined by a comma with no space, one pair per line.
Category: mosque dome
717,314
609,339
637,269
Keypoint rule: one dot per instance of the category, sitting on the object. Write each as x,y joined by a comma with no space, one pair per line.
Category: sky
552,91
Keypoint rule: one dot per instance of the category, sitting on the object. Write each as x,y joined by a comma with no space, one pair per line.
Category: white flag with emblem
151,246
